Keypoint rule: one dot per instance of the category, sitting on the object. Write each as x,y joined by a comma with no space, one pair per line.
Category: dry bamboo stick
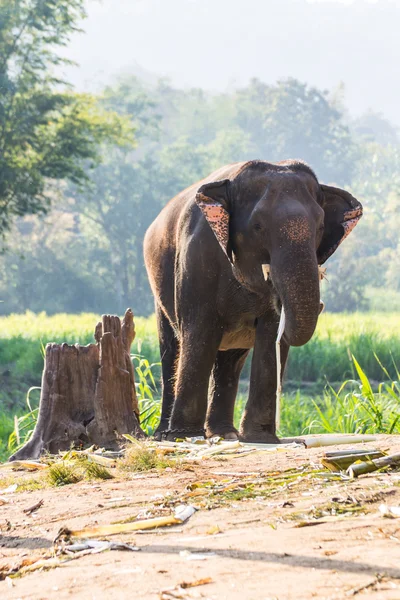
373,465
330,440
342,462
181,515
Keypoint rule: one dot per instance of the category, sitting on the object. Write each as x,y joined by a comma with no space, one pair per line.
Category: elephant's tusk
266,269
281,329
321,272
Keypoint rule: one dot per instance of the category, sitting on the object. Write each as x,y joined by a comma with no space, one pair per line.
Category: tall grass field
309,403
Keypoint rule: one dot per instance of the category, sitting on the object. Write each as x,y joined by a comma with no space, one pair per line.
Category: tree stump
88,392
115,407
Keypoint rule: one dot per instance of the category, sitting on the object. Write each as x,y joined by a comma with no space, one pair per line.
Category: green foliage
359,406
23,425
148,397
183,136
292,119
372,256
45,133
381,299
314,408
361,410
6,427
327,357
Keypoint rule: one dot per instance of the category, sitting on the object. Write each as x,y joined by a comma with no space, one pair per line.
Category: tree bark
88,392
116,408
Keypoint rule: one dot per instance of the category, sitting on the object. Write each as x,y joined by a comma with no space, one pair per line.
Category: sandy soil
248,530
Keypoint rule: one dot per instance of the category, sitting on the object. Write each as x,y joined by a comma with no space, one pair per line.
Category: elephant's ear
342,213
213,201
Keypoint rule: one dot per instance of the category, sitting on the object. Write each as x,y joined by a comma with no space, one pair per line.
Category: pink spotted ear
213,201
342,213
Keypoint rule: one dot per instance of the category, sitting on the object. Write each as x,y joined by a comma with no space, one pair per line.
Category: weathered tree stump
88,392
115,407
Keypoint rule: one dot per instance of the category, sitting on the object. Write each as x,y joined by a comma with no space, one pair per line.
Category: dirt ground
268,526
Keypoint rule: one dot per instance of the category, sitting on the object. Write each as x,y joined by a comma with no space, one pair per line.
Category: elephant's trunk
296,279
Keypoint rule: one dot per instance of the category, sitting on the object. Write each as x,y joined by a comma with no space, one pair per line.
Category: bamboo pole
373,465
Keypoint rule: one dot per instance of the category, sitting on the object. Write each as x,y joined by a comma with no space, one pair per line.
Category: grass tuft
62,474
95,471
144,458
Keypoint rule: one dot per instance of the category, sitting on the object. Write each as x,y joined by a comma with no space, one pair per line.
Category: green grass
325,357
6,428
314,408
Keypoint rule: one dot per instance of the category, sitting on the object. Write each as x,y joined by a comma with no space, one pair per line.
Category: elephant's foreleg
222,393
198,349
258,421
169,354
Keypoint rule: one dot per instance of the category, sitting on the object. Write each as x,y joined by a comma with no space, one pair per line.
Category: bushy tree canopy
47,133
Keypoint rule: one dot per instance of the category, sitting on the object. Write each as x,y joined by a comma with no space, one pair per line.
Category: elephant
204,254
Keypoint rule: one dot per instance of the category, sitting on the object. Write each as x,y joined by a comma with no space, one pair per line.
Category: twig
32,509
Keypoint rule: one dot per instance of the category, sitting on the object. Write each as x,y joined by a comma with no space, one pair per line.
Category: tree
46,133
294,120
373,127
183,135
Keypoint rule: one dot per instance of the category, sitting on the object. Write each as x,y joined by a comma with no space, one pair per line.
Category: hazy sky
218,44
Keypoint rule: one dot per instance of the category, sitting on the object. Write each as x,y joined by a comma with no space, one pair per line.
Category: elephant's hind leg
169,355
222,393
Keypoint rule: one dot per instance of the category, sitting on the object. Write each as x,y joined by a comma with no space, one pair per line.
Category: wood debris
32,509
182,514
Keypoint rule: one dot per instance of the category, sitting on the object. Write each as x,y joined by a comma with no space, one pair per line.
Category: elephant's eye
257,226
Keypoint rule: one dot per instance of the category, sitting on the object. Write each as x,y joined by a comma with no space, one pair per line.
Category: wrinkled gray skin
212,308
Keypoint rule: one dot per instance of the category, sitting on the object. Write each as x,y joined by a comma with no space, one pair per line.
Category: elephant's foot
228,433
231,436
259,438
171,435
258,434
160,431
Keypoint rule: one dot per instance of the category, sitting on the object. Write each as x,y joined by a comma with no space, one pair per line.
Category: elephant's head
280,215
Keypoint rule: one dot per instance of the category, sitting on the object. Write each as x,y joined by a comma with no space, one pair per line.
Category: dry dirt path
246,531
